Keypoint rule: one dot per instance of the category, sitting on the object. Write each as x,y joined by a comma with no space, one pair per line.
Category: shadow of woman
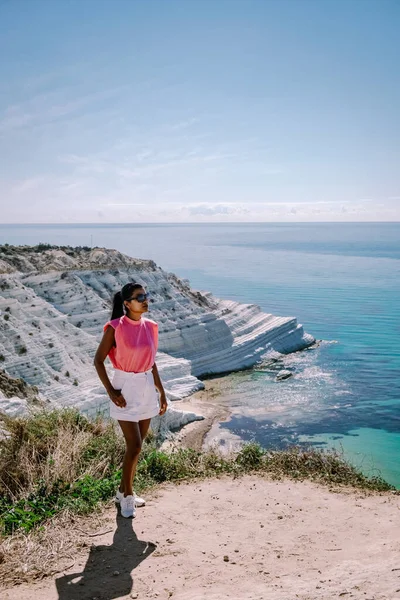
107,573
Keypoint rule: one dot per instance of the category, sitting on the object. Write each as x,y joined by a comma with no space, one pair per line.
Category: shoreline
208,403
214,404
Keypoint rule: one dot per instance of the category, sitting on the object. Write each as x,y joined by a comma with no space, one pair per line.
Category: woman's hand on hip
117,398
163,404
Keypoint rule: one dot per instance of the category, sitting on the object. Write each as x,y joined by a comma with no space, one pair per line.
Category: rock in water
284,374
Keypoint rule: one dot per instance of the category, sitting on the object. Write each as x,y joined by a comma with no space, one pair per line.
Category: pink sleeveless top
136,344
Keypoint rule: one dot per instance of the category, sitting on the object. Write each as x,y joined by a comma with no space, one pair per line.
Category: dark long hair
118,300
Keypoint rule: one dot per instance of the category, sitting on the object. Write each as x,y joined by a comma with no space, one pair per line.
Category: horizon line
155,223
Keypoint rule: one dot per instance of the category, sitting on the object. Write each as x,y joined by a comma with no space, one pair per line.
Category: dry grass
51,447
63,463
40,455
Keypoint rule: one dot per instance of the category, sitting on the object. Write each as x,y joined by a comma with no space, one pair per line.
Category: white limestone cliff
54,302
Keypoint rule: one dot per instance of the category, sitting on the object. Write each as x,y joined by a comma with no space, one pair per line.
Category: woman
131,342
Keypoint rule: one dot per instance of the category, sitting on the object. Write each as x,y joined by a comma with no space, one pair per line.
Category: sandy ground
244,539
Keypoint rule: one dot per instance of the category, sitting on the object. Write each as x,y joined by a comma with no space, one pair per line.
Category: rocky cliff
55,300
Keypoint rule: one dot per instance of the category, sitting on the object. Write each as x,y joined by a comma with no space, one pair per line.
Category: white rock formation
283,375
14,406
54,303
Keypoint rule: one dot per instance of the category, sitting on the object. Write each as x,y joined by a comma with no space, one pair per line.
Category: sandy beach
212,403
244,539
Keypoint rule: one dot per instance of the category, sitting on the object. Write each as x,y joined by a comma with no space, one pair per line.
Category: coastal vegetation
11,386
44,256
57,461
42,247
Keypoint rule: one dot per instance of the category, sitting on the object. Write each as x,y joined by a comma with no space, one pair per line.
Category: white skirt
140,394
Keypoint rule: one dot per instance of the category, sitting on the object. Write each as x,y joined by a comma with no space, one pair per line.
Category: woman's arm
159,386
104,348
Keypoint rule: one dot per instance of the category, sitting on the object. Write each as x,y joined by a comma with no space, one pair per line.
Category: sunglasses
138,298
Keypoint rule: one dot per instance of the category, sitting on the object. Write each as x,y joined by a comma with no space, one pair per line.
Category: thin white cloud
135,169
182,124
144,155
45,108
28,185
218,209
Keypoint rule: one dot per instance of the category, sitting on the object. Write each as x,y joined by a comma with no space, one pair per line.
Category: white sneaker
138,501
128,509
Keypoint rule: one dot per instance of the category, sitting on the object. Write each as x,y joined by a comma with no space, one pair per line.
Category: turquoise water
342,282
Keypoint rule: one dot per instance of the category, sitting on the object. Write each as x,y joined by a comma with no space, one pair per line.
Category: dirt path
244,539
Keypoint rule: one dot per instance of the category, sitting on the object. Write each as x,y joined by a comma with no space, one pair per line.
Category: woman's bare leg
134,434
133,440
144,428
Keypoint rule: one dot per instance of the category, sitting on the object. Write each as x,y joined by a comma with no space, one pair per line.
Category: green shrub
250,456
156,466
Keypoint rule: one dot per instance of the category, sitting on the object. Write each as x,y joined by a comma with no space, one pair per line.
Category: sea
341,281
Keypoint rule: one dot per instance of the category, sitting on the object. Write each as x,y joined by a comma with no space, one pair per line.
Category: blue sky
199,110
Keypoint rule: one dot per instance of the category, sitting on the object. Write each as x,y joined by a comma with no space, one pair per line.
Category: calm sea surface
342,282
